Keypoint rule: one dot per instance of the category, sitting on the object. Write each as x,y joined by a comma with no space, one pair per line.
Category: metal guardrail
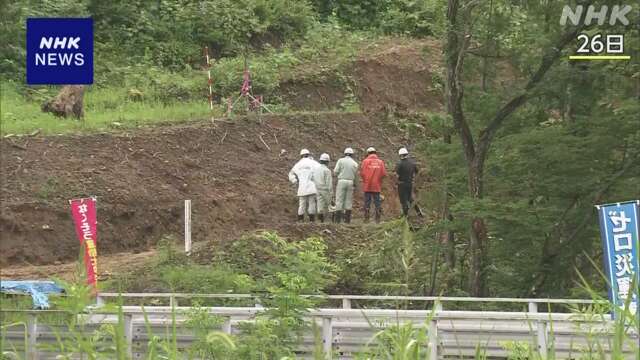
345,331
347,300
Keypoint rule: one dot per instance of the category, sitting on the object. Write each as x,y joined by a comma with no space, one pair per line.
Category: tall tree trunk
449,236
454,54
485,61
477,235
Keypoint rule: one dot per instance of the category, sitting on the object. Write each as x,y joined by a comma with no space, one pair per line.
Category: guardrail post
327,336
99,300
437,306
346,303
32,337
533,307
173,302
128,333
433,339
542,339
226,326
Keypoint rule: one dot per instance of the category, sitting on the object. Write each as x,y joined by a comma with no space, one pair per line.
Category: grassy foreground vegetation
279,276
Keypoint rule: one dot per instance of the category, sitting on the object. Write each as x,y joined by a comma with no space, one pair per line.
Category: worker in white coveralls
301,174
323,179
347,171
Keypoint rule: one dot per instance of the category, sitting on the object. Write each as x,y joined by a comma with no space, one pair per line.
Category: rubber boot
321,218
300,218
347,217
337,217
312,217
366,215
378,215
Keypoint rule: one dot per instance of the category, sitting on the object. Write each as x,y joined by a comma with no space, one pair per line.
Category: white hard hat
371,149
304,152
325,157
403,151
348,151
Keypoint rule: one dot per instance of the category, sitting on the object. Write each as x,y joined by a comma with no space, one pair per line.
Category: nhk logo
599,45
59,51
56,58
617,14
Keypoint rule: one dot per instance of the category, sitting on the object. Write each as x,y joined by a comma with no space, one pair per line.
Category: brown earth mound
395,75
235,174
399,77
314,95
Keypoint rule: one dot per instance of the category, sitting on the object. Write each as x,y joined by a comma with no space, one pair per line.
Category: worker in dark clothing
406,169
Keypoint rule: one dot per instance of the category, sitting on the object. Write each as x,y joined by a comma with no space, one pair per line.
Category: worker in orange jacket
372,171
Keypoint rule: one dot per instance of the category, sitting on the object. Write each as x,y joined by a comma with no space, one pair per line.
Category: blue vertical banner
619,230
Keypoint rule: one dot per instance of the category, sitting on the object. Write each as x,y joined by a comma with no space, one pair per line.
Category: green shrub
266,256
413,18
209,342
262,340
205,279
408,17
398,342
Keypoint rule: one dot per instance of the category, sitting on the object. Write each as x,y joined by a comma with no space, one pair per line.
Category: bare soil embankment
235,174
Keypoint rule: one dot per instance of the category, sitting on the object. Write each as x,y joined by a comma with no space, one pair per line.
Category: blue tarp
39,290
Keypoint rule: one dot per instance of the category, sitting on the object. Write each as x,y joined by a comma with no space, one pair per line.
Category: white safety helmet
371,149
325,157
403,151
304,152
348,151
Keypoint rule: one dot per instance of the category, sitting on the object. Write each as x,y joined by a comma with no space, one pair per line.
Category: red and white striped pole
210,81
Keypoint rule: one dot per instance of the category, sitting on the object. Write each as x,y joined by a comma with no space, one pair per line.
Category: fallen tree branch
17,146
265,144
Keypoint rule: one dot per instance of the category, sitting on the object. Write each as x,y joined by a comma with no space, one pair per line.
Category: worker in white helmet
323,179
406,169
301,174
347,171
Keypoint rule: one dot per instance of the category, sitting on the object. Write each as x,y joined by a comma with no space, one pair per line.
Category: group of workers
315,184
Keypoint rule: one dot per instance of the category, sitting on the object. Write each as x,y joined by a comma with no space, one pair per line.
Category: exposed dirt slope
396,75
237,183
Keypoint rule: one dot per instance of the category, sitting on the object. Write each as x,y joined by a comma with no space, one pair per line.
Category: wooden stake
187,226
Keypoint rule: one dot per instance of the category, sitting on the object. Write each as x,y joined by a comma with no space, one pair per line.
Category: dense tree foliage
539,150
172,34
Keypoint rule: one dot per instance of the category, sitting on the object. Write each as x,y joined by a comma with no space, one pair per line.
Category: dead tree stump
68,102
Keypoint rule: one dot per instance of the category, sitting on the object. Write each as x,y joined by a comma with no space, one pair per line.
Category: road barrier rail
346,331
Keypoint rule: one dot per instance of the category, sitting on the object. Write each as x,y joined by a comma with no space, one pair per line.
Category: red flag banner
84,217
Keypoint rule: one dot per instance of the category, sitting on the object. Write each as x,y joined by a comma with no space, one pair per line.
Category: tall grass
400,341
106,109
276,332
